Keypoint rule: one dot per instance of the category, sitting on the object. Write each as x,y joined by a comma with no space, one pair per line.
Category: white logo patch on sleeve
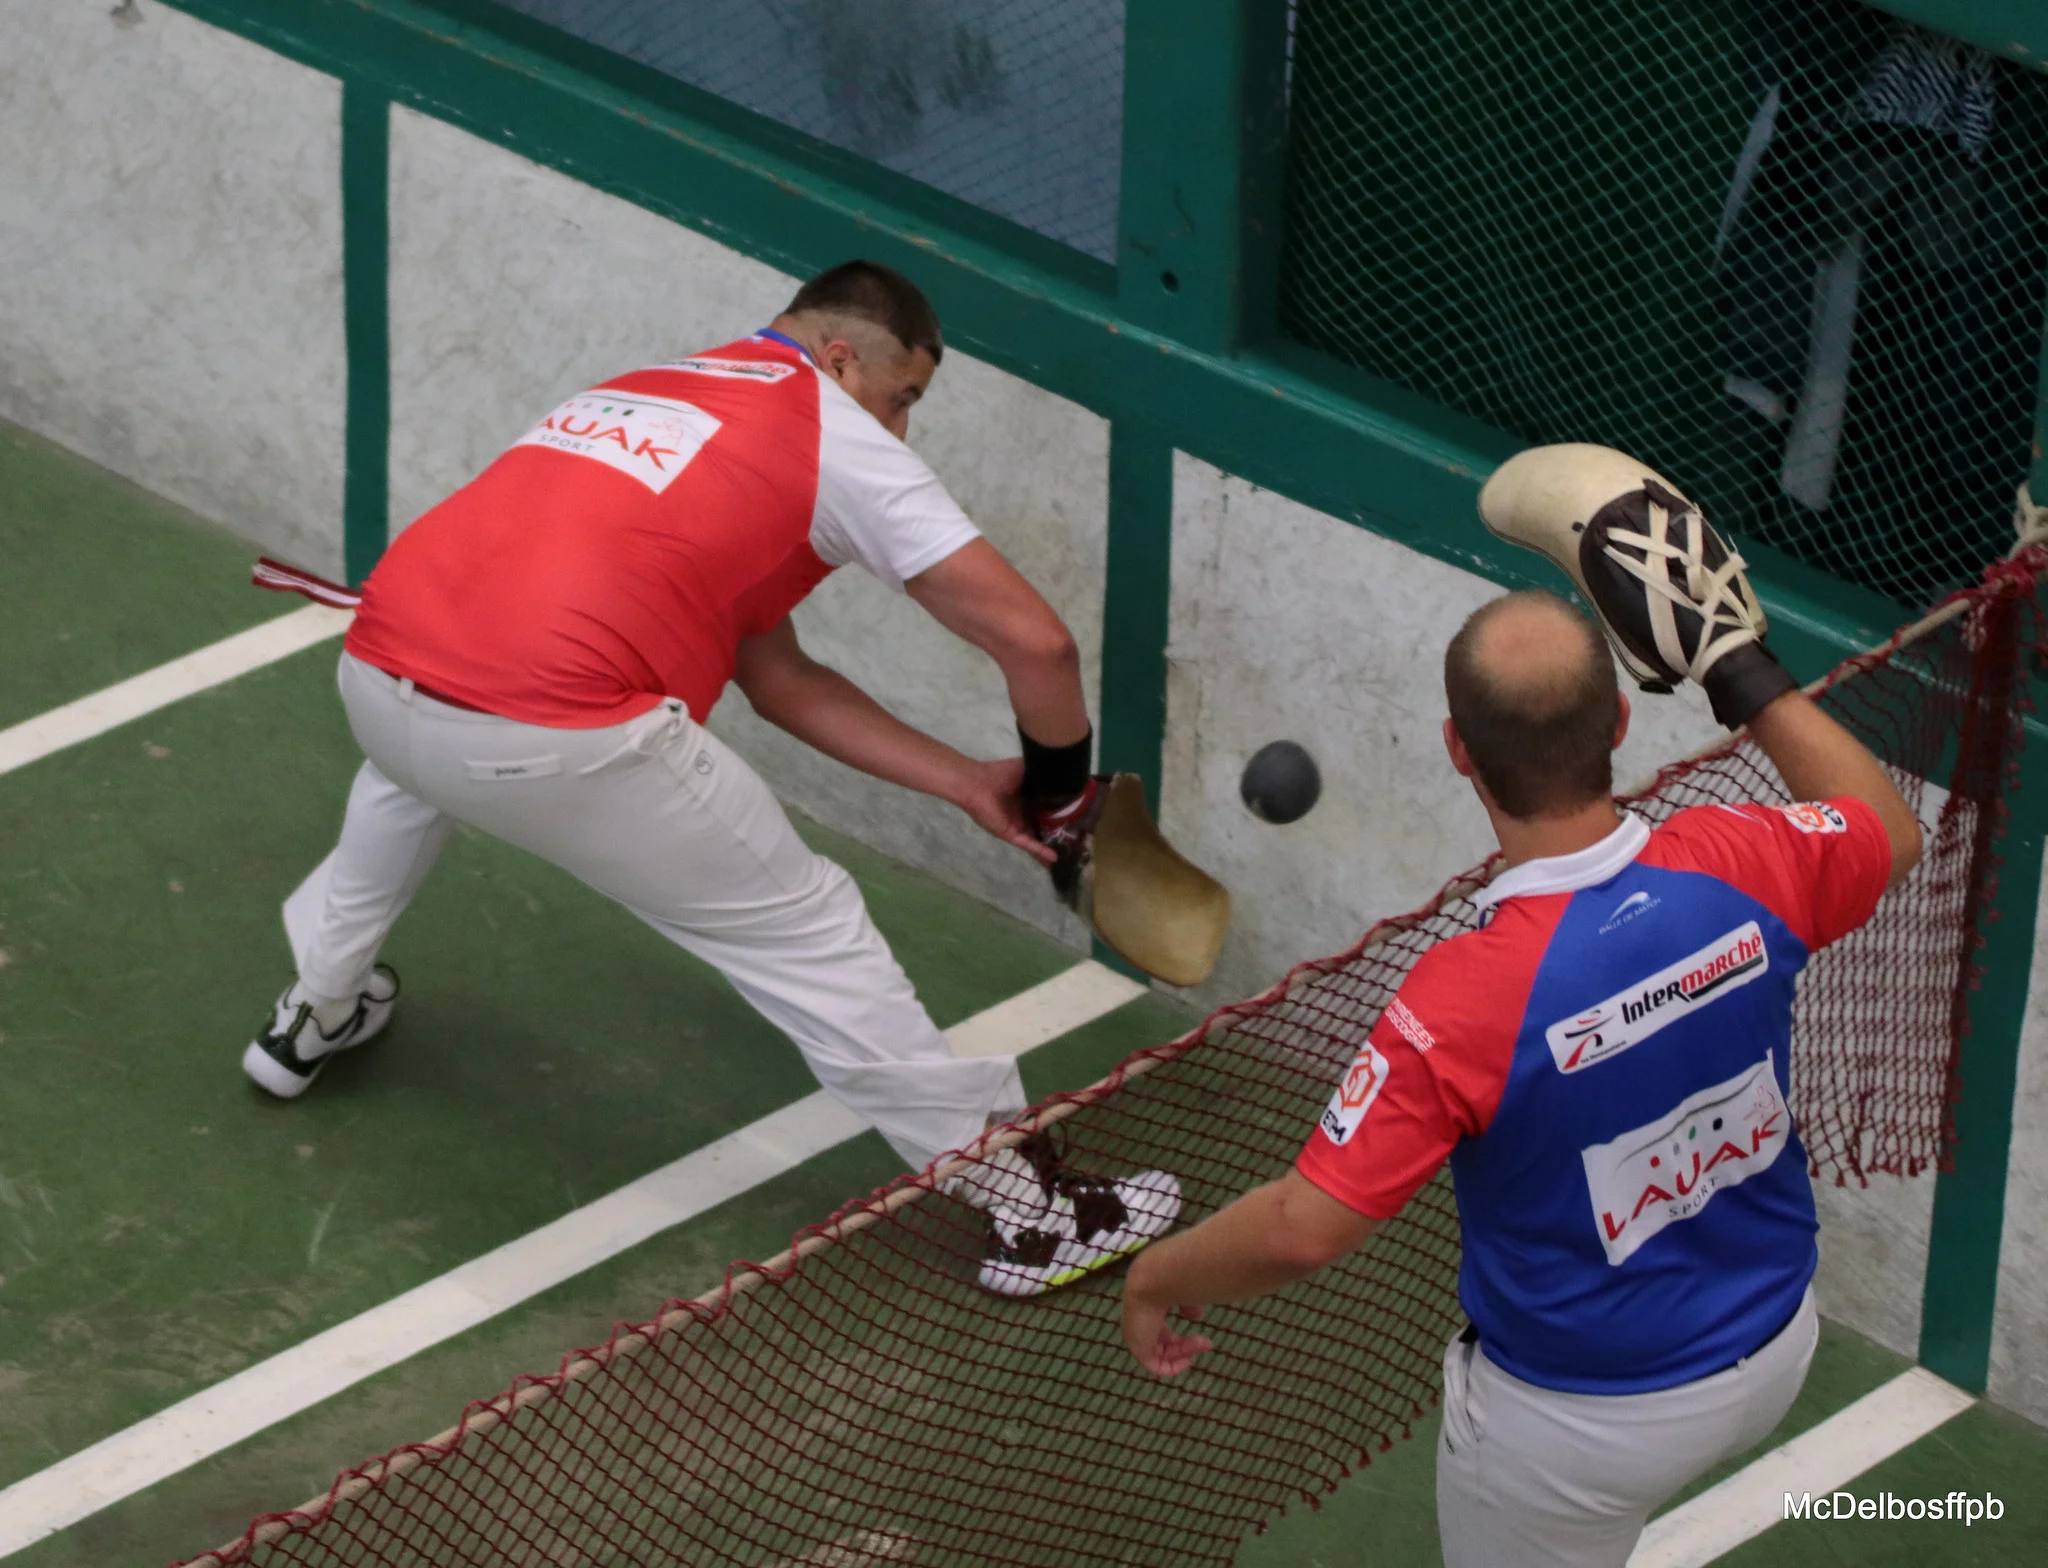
651,439
1630,1017
1814,817
1362,1083
1669,1170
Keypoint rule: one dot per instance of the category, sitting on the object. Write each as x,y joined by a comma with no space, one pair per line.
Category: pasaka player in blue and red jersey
1604,1065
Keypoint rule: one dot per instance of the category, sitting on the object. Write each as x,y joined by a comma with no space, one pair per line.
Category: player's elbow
1906,844
1043,644
1304,1250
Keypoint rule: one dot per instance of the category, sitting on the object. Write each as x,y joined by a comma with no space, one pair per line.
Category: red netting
862,1402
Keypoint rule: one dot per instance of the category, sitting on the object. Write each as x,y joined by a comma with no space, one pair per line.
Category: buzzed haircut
1541,743
882,296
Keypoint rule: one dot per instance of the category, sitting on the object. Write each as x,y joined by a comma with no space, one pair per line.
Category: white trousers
662,816
1527,1477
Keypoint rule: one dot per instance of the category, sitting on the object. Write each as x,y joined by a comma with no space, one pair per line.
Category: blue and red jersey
1605,1065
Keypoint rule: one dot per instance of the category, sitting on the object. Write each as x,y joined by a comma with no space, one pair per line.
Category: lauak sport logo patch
1669,1170
1630,1017
1363,1080
651,439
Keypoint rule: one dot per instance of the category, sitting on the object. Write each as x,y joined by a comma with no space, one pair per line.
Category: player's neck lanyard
782,337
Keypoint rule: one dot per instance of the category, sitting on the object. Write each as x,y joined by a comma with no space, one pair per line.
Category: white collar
1588,867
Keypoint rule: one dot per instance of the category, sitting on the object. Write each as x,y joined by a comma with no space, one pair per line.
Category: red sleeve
1819,866
1431,1073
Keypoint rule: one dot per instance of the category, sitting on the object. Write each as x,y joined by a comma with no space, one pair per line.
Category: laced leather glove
1670,593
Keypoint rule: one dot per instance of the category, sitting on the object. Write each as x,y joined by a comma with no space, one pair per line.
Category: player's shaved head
1533,697
858,294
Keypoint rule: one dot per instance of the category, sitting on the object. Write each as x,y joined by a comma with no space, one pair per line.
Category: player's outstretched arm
1270,1237
1820,760
981,598
825,710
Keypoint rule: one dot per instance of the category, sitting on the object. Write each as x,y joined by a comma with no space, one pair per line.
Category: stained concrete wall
512,286
170,241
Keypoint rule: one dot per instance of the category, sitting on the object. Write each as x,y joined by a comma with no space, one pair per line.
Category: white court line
298,1378
167,683
1833,1454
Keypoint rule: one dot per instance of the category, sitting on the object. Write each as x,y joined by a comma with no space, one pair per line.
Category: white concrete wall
2019,1344
512,285
170,262
1289,624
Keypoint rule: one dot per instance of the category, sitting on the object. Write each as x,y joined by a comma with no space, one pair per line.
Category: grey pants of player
660,815
1527,1477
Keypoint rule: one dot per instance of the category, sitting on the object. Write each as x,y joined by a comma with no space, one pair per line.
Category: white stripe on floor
167,683
1819,1460
1045,1012
296,1379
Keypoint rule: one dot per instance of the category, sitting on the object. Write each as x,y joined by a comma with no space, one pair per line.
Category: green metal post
1204,121
366,324
1136,598
1136,602
1961,1292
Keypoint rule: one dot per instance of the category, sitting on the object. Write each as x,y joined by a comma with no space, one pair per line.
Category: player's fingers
1194,1313
1032,847
1016,833
1178,1352
1143,1324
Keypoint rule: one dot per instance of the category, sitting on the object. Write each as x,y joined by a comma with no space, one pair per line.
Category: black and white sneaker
288,1056
1071,1224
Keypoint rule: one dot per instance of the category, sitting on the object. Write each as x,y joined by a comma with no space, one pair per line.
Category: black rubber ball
1281,782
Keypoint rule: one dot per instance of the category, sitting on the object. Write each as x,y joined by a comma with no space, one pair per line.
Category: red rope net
860,1401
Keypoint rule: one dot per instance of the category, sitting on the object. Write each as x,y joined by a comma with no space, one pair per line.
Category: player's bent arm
1267,1239
1820,760
825,710
982,599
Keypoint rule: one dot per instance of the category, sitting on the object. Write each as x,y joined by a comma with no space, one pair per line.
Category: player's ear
1461,759
836,357
1621,724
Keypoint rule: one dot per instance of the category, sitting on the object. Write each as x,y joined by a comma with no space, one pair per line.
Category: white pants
660,815
1527,1477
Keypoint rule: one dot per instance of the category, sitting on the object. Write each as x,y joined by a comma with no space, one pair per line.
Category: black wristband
1054,775
1744,681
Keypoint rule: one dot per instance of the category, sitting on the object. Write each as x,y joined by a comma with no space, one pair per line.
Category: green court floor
164,1225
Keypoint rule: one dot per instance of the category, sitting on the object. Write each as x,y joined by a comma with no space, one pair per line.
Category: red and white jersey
619,551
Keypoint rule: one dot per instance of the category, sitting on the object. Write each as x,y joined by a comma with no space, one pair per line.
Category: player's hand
987,792
1160,1350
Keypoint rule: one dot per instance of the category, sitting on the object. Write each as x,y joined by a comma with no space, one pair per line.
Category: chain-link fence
1792,251
1017,108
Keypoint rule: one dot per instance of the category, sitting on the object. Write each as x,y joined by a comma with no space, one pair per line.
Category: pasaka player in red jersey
536,656
1603,1064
